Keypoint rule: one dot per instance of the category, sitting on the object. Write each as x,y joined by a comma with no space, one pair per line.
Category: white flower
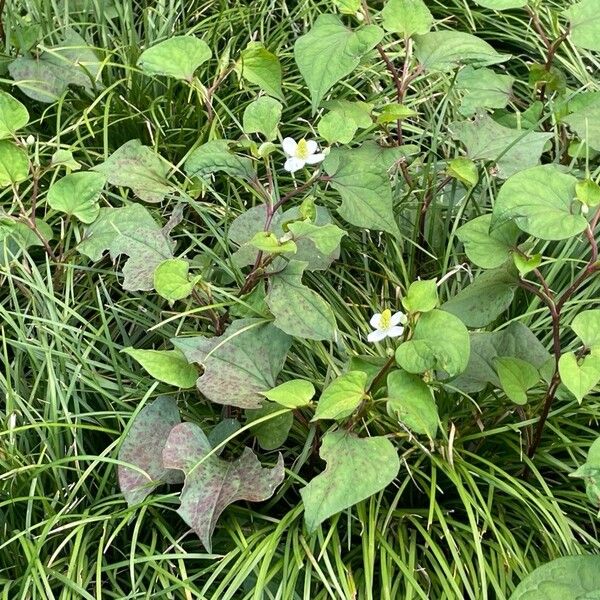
386,324
305,152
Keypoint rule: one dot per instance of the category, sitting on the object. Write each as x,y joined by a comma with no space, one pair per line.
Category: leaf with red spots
211,483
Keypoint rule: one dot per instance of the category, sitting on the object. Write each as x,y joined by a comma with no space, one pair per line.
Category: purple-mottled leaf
211,483
239,364
143,447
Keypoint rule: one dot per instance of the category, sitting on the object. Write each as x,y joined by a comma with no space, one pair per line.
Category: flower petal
311,146
293,164
374,322
394,331
313,159
399,317
377,336
289,146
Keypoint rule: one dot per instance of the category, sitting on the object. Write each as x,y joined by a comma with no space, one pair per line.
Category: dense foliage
319,277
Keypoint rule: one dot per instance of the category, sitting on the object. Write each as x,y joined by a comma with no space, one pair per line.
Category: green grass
461,521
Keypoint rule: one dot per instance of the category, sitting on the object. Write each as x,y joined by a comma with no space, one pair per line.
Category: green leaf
14,164
395,111
501,4
222,431
371,365
177,57
326,238
526,264
298,310
341,123
356,469
484,300
342,396
347,7
406,17
272,433
239,364
262,116
482,88
465,170
587,327
77,194
16,236
13,115
516,340
364,186
568,577
211,483
584,21
588,192
539,201
267,242
168,366
142,448
172,281
427,350
65,158
551,78
516,377
129,230
330,51
446,50
260,67
421,296
585,123
139,168
511,149
411,400
214,157
581,376
46,77
292,394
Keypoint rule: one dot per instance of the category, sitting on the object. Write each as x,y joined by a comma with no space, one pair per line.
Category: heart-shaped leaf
13,115
342,396
77,194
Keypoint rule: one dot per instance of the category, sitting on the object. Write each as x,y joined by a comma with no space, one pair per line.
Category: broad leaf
172,280
341,123
539,201
580,376
240,364
584,21
214,157
568,577
262,116
585,122
411,400
13,115
211,483
463,169
326,238
395,111
292,394
14,164
485,248
525,264
272,433
342,396
516,377
142,448
511,149
516,340
168,366
428,350
484,300
356,469
364,186
587,327
406,17
268,242
177,57
501,4
298,310
16,237
261,67
77,194
482,88
139,168
46,77
588,192
446,50
129,230
330,51
421,296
